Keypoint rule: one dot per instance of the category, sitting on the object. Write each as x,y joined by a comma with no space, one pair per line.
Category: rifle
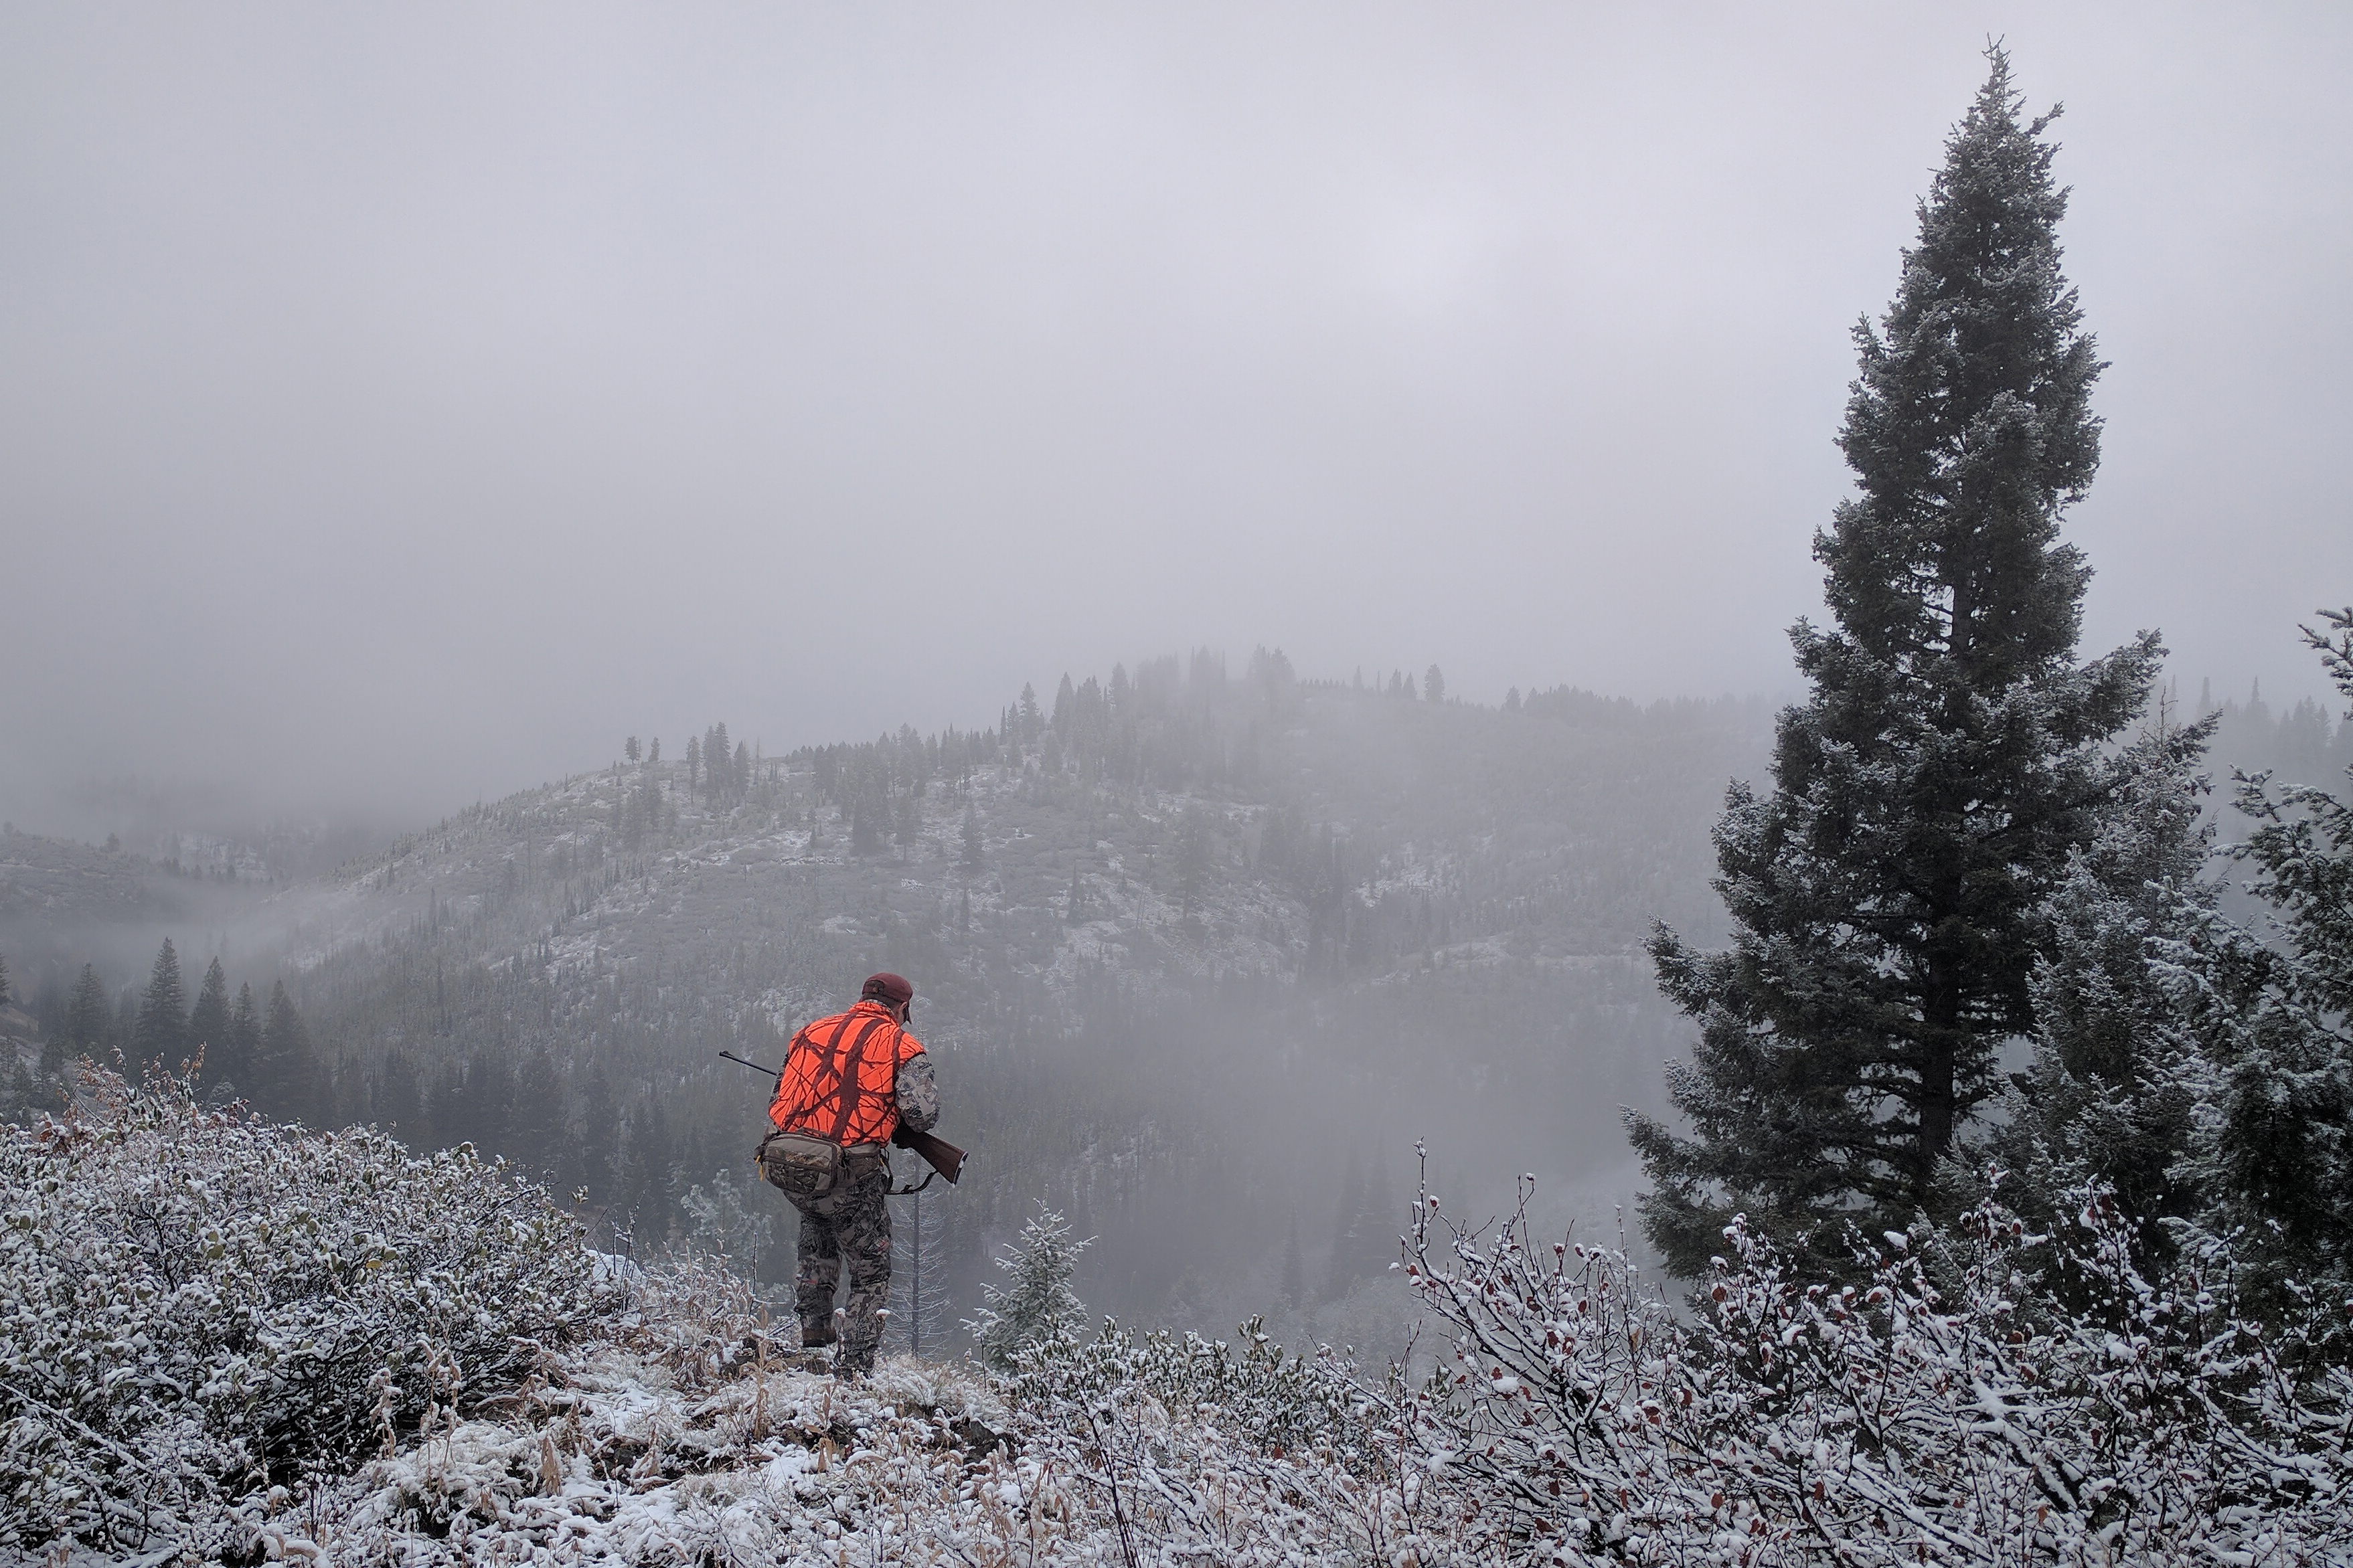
944,1158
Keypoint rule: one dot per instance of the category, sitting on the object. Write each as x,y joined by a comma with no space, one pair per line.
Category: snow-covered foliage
1279,1402
2271,1149
678,1436
1201,1452
1941,1409
2110,1090
194,1303
1938,1413
235,1343
223,1340
1035,1307
674,1435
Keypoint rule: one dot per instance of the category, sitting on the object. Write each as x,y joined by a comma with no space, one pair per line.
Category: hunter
851,1079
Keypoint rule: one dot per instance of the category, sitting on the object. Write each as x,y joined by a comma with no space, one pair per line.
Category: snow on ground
687,1436
625,1460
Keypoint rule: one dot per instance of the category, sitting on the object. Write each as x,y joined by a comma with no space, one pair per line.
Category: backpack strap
848,1080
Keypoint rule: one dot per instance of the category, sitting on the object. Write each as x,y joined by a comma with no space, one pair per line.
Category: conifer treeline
241,1048
2298,745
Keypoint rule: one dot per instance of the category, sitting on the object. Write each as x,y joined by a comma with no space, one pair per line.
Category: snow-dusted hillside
56,881
1462,832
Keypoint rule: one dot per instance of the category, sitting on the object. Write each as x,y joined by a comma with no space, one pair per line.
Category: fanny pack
800,1164
812,1170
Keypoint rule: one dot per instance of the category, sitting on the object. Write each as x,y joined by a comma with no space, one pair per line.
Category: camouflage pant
857,1231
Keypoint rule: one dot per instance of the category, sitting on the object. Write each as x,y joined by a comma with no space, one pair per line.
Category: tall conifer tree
161,1030
241,1043
1887,893
288,1081
89,1016
208,1020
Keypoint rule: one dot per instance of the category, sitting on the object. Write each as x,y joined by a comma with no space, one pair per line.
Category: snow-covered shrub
194,1303
1193,1450
606,1463
1279,1402
693,1315
1037,1307
1943,1409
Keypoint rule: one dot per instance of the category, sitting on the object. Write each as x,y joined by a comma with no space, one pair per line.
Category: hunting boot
816,1351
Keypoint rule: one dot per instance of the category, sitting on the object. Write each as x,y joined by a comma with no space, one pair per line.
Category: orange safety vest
819,1066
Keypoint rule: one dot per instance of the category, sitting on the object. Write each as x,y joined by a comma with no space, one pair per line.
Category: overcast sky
401,404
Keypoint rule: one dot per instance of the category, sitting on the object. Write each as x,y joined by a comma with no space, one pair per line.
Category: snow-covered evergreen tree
163,1017
2272,1152
287,1075
1036,1309
2109,1096
243,1043
1889,892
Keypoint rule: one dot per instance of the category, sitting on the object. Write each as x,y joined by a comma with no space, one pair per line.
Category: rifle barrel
755,1066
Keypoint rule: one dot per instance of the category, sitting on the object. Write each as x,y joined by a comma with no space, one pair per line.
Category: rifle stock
945,1157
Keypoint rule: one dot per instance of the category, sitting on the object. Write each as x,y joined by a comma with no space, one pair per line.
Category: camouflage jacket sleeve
919,1093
